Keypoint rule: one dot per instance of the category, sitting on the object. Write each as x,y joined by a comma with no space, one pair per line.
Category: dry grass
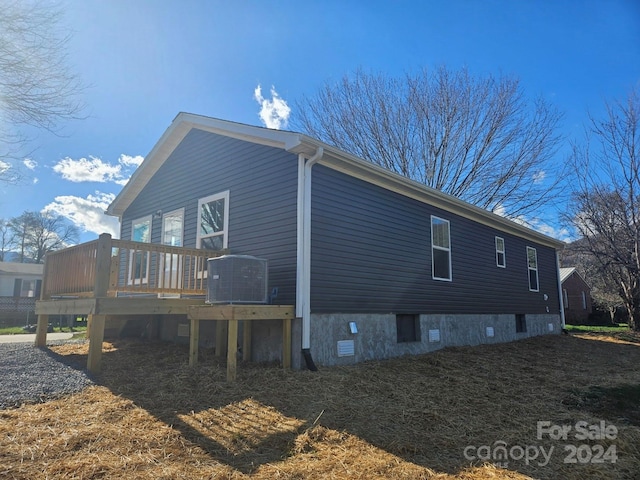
152,417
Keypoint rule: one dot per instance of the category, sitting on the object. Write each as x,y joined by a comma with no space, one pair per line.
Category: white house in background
20,279
19,287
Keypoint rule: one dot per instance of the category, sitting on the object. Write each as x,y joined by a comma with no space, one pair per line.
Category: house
377,265
576,297
19,288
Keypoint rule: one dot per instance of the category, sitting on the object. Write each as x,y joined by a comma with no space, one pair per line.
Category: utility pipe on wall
303,282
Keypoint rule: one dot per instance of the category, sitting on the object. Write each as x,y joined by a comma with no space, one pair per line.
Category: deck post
101,287
194,339
246,340
232,348
41,330
103,266
286,343
221,338
94,358
43,320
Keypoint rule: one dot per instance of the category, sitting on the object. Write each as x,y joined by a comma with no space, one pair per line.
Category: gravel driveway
29,374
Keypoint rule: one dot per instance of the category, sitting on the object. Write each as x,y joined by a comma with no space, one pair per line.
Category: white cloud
95,169
4,166
87,213
539,176
87,170
129,161
30,164
555,231
274,113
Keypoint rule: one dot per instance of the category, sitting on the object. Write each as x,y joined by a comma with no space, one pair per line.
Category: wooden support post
286,343
103,266
41,330
94,359
232,350
88,334
194,339
246,341
221,338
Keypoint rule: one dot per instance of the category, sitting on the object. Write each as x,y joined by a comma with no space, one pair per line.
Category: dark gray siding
262,184
371,252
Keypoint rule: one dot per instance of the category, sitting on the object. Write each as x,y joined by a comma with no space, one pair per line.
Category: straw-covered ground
444,415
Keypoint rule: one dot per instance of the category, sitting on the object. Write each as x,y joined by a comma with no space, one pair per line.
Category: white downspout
303,281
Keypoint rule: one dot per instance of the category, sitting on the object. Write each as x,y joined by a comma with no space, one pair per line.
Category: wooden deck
111,279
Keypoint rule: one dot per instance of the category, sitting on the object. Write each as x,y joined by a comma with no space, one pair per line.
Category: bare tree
606,203
477,138
7,239
37,87
39,233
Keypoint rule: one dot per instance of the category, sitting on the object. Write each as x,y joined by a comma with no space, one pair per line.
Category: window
521,323
172,230
565,298
26,288
440,249
138,260
532,261
213,221
584,300
408,327
500,257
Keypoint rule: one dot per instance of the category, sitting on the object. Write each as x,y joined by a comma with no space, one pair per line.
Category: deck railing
110,267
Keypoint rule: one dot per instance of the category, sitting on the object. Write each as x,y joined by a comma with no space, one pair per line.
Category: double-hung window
500,253
213,221
532,263
440,249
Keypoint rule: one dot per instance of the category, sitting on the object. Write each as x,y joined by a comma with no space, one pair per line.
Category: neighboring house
377,265
576,297
19,288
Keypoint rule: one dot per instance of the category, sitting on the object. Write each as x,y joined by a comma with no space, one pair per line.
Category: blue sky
146,60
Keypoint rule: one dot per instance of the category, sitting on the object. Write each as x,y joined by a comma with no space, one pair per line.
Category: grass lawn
622,327
20,330
432,416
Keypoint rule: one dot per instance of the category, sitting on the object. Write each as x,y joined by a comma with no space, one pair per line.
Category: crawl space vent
434,335
183,329
550,327
490,332
346,348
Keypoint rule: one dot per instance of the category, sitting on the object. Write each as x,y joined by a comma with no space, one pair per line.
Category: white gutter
303,279
562,319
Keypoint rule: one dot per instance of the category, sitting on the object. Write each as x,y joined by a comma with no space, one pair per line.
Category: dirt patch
428,416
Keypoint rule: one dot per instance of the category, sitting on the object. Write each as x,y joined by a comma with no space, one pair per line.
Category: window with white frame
440,249
532,262
172,263
213,221
500,254
139,260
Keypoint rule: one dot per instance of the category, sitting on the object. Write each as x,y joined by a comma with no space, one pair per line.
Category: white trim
529,270
503,252
225,231
173,213
171,276
145,279
441,248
